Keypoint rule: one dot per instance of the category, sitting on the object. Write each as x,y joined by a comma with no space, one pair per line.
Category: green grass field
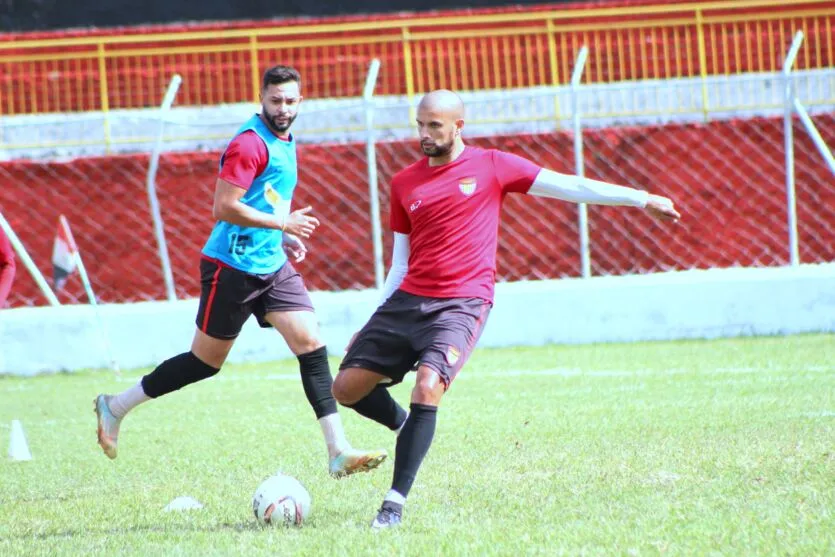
682,448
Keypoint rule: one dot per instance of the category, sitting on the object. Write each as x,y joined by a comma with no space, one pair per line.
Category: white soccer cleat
108,426
352,461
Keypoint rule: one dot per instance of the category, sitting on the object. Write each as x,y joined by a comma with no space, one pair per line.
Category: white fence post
583,215
151,186
371,158
823,149
788,139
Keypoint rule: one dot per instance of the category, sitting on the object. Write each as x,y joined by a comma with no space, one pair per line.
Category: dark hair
280,74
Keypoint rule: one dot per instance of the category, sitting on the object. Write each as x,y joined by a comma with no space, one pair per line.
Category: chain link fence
726,174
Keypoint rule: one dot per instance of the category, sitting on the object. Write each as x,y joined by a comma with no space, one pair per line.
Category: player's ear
459,125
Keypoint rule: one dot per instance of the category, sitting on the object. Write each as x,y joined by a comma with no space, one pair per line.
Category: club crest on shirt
272,196
467,185
452,355
279,204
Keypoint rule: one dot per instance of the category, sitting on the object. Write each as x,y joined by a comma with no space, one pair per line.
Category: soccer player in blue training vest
244,270
439,291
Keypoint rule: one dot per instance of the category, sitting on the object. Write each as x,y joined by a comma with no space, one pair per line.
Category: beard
273,122
434,150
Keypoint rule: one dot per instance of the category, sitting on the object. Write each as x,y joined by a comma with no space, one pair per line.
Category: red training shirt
451,214
245,158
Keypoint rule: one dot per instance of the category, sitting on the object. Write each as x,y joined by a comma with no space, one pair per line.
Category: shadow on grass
38,499
68,534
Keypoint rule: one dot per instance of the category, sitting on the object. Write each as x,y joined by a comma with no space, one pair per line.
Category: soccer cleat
389,515
108,426
352,461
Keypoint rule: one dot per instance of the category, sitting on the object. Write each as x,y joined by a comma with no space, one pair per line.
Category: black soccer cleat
389,515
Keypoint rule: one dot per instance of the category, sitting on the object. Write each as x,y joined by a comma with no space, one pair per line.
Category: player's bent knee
352,385
342,392
424,395
429,387
210,350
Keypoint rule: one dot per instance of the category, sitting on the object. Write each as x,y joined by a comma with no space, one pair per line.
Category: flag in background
63,254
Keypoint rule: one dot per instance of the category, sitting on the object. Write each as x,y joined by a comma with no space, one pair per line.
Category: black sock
412,445
378,405
176,373
317,381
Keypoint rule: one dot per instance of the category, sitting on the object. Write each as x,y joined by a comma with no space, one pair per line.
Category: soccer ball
281,500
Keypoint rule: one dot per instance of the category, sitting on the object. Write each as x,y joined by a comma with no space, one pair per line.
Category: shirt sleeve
244,159
515,173
399,220
399,266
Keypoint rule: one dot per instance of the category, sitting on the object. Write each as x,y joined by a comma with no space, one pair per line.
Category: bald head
443,101
440,118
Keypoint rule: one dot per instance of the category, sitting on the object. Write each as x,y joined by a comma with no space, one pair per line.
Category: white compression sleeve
585,190
399,265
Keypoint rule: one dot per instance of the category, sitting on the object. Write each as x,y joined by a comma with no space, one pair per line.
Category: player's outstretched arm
399,265
578,189
228,207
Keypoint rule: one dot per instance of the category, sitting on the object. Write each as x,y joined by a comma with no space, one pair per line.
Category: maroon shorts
408,331
229,296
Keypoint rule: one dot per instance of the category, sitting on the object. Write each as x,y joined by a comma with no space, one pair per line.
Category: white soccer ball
281,500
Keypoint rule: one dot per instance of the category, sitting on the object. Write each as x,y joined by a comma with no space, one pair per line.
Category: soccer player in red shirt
445,218
7,268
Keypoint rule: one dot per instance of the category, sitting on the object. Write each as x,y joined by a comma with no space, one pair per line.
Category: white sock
399,429
334,434
395,497
126,401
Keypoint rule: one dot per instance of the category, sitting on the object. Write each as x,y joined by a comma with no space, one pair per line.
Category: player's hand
662,208
301,223
294,247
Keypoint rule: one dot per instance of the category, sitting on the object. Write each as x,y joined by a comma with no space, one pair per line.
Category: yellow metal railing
495,51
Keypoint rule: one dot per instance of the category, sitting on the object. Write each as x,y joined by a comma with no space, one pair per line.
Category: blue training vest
258,250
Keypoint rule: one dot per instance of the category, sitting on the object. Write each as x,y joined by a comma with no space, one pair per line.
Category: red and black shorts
408,331
229,296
